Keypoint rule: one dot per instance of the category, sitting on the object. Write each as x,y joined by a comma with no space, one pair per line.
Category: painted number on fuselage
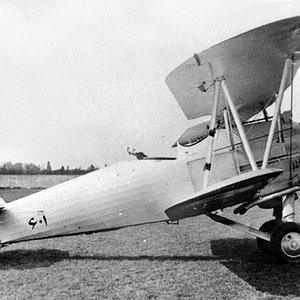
38,220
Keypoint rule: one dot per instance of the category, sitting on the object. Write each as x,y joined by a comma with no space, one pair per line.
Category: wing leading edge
223,194
251,63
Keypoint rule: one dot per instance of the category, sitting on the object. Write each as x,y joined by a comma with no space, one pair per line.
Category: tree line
10,168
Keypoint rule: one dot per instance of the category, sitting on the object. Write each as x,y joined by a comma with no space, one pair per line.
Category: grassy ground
198,259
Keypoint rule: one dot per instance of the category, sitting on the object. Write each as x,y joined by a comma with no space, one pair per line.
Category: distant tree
18,168
31,169
13,169
3,169
8,168
91,168
62,170
48,168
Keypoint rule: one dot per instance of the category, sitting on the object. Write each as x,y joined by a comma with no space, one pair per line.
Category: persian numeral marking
32,222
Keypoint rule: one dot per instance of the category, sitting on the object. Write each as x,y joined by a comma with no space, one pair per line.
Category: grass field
198,259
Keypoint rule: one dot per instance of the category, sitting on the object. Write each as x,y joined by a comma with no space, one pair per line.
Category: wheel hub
290,244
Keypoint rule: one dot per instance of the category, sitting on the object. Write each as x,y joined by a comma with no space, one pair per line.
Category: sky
80,80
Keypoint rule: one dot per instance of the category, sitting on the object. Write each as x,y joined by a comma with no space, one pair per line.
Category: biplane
237,159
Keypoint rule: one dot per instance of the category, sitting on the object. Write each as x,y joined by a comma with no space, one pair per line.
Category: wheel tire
264,245
285,242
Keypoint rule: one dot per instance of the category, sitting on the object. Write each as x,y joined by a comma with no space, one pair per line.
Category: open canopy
252,64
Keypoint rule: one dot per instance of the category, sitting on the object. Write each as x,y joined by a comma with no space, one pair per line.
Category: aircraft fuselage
138,192
126,194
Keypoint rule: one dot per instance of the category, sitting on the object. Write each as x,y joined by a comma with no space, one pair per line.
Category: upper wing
252,64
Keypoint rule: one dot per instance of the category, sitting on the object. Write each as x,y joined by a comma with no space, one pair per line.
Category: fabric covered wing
252,64
223,194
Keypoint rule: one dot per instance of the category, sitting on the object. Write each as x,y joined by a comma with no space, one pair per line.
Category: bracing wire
258,115
291,123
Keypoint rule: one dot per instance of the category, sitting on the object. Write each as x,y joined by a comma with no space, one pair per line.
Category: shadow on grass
242,257
31,259
39,258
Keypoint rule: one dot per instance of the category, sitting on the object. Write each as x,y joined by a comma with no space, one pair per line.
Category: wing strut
278,103
280,132
228,127
239,126
211,135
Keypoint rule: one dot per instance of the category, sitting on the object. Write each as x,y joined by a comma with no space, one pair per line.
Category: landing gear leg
265,245
268,227
288,207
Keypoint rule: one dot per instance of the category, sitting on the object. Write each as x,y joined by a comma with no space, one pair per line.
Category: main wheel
285,242
264,245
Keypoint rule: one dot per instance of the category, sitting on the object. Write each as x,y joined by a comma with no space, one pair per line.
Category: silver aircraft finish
229,163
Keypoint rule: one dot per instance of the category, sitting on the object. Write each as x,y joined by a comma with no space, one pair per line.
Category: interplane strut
212,131
278,103
288,195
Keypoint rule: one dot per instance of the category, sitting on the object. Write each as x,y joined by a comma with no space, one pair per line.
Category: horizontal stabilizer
232,191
